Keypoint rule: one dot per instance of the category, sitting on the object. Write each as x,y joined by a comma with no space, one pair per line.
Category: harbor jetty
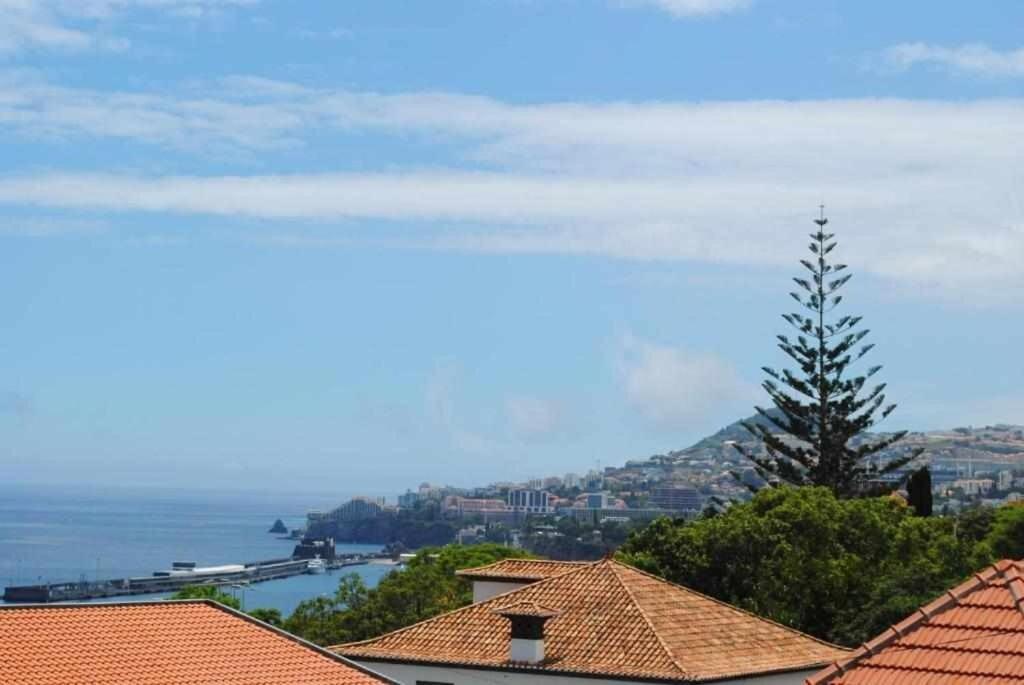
311,555
181,574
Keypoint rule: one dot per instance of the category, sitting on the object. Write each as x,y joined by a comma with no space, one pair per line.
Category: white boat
317,566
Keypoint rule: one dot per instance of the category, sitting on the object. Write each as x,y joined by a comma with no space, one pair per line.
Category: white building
600,623
530,501
973,486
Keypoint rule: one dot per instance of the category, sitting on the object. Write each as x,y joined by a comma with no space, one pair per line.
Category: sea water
69,533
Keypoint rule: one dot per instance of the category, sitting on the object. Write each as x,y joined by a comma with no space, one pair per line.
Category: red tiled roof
525,570
159,643
615,621
971,635
531,609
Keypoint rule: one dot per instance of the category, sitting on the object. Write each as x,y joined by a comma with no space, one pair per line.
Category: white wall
485,589
408,674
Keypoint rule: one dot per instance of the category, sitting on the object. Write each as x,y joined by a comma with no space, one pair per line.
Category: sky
359,245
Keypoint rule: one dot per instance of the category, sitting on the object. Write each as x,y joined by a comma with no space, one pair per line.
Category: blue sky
359,245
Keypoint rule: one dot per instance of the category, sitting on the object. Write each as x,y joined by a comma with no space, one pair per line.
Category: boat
317,566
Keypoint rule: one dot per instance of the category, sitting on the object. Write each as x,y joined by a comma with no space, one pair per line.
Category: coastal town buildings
160,643
601,621
972,635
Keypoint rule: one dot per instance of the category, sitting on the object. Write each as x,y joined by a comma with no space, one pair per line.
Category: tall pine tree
814,434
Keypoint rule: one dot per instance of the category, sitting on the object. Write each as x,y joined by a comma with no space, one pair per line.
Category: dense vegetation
821,408
410,528
426,587
572,540
840,569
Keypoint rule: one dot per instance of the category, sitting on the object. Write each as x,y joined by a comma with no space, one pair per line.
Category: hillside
710,463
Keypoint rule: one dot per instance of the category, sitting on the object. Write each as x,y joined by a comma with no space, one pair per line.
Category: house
971,635
602,621
160,643
511,574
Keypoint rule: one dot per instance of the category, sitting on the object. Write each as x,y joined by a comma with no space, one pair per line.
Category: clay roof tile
160,643
971,635
615,621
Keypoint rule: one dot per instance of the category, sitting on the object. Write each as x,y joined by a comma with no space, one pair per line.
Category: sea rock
278,527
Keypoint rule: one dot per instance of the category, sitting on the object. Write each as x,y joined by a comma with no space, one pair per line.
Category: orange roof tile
524,570
159,643
527,609
973,634
615,621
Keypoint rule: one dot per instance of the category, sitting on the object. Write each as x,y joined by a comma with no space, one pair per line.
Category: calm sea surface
51,534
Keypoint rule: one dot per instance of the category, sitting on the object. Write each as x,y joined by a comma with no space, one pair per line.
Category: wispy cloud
973,58
935,183
690,8
675,388
77,25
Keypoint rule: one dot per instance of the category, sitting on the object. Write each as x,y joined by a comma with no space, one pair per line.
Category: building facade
529,501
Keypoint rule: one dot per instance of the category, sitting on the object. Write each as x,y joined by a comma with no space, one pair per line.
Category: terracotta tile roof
525,570
615,621
973,634
159,643
527,609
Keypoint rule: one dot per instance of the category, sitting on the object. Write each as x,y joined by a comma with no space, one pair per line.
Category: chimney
527,619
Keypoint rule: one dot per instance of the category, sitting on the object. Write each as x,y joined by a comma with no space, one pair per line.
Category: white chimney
526,639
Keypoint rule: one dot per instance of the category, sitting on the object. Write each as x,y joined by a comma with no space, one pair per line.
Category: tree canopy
840,569
821,411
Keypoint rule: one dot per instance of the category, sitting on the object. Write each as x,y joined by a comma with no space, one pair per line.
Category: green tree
208,592
1006,536
919,491
839,569
426,587
271,616
812,435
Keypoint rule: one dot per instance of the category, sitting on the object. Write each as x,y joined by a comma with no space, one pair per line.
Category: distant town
586,516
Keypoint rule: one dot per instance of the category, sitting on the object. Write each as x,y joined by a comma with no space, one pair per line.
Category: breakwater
253,572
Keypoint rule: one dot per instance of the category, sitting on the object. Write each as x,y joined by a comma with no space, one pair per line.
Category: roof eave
575,673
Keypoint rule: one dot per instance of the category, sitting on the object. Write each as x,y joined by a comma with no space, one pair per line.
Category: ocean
66,533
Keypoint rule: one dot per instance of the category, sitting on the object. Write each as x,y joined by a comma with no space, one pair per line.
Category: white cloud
691,8
675,388
923,193
535,418
973,58
74,25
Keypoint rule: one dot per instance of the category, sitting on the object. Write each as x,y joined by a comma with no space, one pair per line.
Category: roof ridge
525,560
726,605
944,602
471,605
614,565
482,570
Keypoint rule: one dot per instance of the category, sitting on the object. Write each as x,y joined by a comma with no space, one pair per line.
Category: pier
163,582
